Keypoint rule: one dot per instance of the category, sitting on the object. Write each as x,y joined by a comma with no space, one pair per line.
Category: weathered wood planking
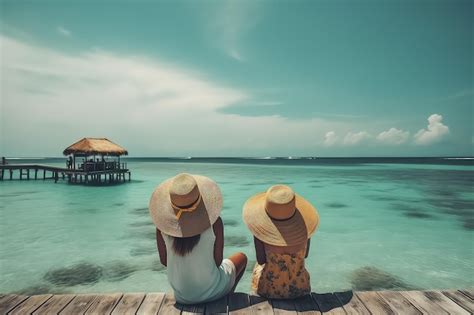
151,304
260,305
169,305
31,304
461,299
79,304
399,303
129,304
55,304
351,303
374,303
217,307
423,303
328,303
193,309
382,302
468,293
104,304
307,306
239,303
9,302
445,303
284,307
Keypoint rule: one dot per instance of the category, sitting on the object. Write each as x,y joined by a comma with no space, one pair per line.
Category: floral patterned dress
283,276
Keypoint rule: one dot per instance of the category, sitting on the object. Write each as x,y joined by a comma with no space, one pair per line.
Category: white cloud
330,138
393,136
435,131
236,55
353,138
233,19
63,31
148,106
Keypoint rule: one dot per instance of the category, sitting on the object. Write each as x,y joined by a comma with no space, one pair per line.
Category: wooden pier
381,302
76,176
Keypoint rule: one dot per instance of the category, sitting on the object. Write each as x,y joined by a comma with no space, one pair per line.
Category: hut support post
11,174
36,173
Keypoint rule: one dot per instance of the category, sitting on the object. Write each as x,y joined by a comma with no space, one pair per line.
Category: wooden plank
461,299
192,309
444,302
282,307
239,303
260,305
55,304
328,303
468,293
104,304
151,304
399,303
169,305
374,303
79,304
423,303
351,303
9,302
129,304
306,305
217,307
31,304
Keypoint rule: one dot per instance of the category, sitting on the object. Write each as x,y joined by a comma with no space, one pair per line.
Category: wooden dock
76,176
380,302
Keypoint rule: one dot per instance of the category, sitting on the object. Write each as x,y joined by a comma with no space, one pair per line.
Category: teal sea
385,223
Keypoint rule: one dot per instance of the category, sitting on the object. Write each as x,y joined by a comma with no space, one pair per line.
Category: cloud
64,32
148,106
232,20
330,138
393,136
435,131
353,138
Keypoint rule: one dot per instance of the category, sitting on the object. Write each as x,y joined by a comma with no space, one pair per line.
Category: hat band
291,216
189,208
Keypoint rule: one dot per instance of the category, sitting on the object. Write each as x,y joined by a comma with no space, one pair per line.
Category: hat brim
293,231
190,223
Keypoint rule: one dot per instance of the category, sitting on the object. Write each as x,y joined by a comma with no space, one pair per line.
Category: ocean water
385,223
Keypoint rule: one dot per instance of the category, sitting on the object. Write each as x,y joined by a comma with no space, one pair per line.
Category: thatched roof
91,146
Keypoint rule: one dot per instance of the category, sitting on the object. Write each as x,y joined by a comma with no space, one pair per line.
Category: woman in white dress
190,238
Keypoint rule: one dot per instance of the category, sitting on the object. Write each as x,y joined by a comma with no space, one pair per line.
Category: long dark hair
184,245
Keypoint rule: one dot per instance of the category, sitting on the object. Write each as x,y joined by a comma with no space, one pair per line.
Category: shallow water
393,225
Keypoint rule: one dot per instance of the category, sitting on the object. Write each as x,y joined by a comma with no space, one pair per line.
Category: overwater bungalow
94,157
95,154
90,161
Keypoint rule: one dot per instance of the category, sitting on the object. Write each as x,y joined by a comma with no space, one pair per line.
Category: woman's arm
218,227
260,251
160,243
307,247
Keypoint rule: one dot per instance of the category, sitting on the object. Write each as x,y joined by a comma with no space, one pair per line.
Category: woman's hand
160,243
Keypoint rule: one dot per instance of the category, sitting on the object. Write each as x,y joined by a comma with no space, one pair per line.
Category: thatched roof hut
95,146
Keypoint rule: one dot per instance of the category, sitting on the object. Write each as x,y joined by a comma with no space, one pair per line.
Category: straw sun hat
185,205
280,217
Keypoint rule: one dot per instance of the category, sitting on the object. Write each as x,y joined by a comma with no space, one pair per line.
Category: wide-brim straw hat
280,217
185,205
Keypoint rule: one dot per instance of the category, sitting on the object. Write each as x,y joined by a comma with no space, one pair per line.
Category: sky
238,78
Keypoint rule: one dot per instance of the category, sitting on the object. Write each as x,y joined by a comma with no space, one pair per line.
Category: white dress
195,278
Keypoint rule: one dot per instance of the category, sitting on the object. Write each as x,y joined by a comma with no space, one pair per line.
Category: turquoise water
393,225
